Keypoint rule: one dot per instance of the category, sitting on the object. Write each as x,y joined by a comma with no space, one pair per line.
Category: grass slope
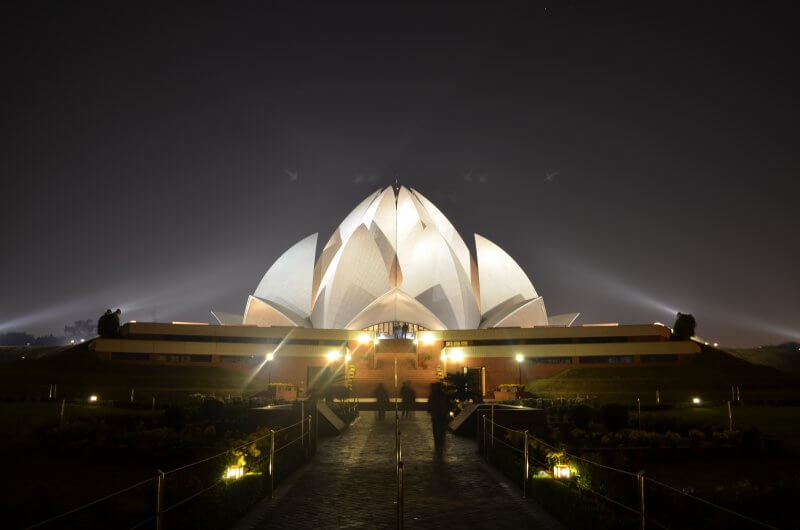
785,357
708,374
78,372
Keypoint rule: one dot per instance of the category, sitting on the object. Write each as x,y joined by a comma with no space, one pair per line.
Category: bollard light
234,472
562,471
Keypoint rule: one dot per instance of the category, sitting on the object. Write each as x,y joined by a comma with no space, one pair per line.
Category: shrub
175,417
615,416
582,416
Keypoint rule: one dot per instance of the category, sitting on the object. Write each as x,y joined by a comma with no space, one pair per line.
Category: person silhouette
381,400
439,409
409,398
104,324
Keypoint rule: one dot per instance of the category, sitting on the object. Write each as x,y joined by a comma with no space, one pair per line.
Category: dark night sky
146,150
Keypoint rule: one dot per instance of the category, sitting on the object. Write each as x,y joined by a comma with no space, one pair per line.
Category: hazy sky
635,159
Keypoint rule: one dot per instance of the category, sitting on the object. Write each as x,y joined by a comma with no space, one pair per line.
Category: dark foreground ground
351,484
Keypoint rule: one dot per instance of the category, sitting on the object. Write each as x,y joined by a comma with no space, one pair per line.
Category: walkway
351,484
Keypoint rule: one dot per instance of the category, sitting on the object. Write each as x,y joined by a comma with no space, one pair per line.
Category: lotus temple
395,290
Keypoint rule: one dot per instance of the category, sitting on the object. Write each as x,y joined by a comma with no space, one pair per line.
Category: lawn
777,422
709,375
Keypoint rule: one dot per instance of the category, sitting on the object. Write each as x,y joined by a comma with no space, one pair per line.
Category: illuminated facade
395,263
396,258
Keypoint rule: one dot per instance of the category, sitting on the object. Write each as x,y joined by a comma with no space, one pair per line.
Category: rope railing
641,478
92,503
306,430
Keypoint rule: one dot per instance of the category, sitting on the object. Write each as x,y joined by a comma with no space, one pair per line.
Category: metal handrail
398,468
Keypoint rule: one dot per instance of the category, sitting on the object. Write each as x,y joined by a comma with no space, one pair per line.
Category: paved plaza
351,484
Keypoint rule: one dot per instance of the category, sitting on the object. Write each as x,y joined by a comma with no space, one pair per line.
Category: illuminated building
396,260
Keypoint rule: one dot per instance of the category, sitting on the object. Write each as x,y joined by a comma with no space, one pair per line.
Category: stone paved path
351,484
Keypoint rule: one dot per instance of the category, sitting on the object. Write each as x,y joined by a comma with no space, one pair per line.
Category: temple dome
396,257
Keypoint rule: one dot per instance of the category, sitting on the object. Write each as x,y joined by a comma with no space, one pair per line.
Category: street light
269,358
520,358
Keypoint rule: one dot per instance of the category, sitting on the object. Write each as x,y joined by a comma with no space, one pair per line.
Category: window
611,359
174,358
551,360
123,356
660,358
250,359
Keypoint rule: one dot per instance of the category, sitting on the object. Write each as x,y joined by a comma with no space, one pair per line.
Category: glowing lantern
93,398
696,400
363,338
234,472
562,471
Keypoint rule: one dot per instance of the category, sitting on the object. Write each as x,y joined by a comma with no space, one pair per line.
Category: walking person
439,409
409,398
381,400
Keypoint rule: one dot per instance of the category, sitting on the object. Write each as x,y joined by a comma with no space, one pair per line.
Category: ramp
324,413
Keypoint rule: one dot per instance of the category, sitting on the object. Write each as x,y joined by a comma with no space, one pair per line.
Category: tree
683,329
16,338
80,329
615,416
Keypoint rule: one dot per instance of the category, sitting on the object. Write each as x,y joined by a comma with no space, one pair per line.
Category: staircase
366,378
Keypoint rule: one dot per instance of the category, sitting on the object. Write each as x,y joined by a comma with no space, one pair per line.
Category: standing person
114,326
103,324
405,330
439,409
409,397
381,400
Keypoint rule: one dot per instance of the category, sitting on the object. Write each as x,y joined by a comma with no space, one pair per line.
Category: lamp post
520,358
270,357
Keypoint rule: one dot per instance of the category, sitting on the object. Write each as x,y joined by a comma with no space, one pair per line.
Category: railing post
492,427
160,500
271,462
400,496
526,469
310,451
640,480
485,448
639,413
730,417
